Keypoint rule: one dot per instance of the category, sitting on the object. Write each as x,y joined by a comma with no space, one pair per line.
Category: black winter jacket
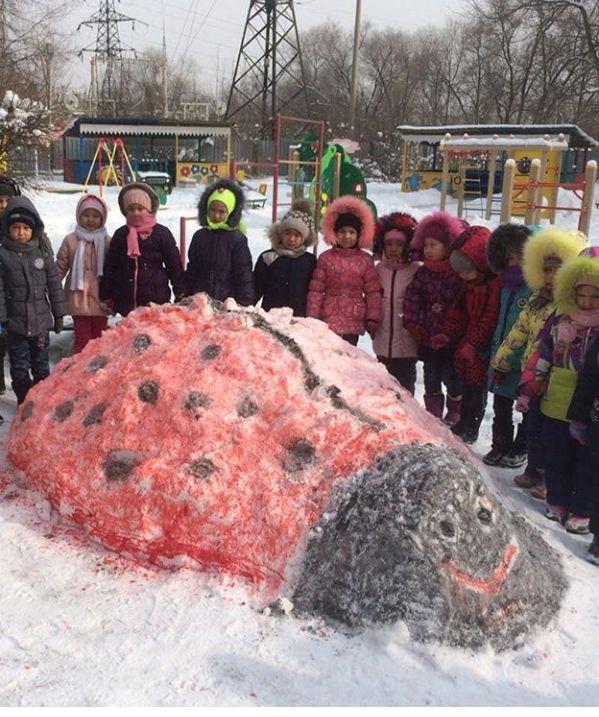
158,264
584,406
31,294
283,280
220,263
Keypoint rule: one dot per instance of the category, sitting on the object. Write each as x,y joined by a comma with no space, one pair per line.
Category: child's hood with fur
441,226
507,239
568,276
551,241
349,205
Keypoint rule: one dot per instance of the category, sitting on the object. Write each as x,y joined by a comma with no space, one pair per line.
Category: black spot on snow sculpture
119,465
148,392
201,468
197,400
418,537
210,352
95,416
63,411
27,410
97,363
298,455
141,343
247,407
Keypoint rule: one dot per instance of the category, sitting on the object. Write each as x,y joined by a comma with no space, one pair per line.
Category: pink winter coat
393,340
345,291
86,302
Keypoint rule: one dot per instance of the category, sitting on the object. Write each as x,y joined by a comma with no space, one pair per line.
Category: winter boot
21,388
556,512
452,416
527,481
474,401
539,491
593,552
578,524
434,404
514,459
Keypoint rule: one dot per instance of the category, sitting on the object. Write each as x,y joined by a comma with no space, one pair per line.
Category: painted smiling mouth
490,585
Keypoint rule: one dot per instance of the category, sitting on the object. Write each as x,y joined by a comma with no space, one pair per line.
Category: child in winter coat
393,344
434,288
470,323
552,374
544,253
142,257
219,260
81,259
345,290
282,274
505,249
584,428
31,297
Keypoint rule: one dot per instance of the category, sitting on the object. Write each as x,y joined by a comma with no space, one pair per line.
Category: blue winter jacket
511,303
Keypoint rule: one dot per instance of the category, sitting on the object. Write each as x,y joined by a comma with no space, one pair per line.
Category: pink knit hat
91,201
137,196
441,226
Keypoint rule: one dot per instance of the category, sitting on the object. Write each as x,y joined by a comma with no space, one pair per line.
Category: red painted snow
210,487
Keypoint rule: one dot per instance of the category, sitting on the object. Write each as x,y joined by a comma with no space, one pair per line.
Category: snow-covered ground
81,626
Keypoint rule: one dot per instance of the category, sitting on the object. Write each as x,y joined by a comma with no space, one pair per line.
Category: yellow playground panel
467,162
202,172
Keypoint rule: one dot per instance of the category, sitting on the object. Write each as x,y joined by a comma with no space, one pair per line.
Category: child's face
347,237
217,212
395,248
468,275
291,239
549,276
587,297
20,232
434,250
3,203
90,219
514,259
135,210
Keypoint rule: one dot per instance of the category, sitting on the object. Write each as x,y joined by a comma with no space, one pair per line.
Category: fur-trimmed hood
506,239
144,188
472,242
551,241
234,217
568,276
399,221
299,214
349,205
441,226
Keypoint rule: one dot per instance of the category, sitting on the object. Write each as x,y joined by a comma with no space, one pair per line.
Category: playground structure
114,168
534,187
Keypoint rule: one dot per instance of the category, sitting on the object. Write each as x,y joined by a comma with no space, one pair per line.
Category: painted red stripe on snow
492,585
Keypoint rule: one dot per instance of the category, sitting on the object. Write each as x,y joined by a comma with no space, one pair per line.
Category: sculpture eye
484,516
447,529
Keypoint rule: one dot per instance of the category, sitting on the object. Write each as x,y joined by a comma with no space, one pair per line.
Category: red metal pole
182,242
276,158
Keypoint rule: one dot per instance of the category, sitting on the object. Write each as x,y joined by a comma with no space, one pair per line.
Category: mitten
439,341
579,432
58,324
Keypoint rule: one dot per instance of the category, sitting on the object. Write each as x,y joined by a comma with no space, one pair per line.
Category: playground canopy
193,150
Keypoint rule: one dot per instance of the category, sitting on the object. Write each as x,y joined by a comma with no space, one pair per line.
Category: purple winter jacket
220,263
158,264
433,290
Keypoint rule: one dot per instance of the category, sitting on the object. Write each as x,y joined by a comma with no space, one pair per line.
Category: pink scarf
576,321
140,227
395,264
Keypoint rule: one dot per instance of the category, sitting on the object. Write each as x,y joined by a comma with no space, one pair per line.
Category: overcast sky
210,30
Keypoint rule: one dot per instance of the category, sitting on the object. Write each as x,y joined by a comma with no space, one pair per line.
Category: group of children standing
514,311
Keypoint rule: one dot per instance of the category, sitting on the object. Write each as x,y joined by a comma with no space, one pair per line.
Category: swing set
113,163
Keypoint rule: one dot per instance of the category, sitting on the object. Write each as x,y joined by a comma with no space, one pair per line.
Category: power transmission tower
109,50
269,73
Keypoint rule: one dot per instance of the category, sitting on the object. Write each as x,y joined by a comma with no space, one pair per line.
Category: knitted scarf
512,278
140,227
394,264
569,325
85,237
438,266
21,247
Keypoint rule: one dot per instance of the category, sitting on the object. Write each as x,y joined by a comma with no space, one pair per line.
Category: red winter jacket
345,291
472,320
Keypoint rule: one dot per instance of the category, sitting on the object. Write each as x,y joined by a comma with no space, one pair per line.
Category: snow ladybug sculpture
266,447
